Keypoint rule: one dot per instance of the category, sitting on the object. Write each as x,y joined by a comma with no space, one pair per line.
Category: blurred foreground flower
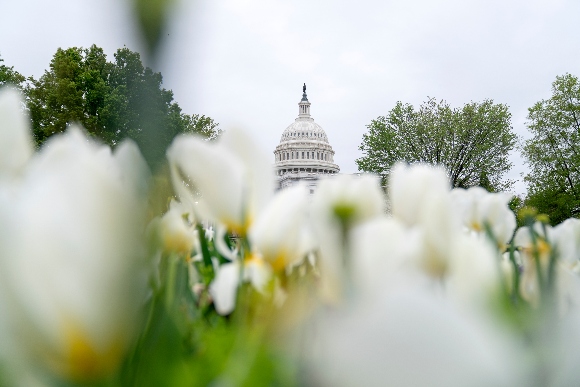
412,337
479,209
228,183
340,204
71,228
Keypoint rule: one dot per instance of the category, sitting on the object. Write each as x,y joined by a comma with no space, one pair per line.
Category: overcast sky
243,62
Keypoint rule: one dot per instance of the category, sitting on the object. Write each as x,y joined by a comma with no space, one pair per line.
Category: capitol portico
304,153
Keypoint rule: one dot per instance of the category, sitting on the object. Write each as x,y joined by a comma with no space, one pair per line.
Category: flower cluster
420,285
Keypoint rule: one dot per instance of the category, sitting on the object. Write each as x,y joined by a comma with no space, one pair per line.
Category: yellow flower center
177,242
277,262
82,360
543,248
475,226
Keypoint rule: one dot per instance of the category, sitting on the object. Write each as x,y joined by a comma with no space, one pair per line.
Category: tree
73,90
558,205
8,76
112,100
201,124
553,152
472,142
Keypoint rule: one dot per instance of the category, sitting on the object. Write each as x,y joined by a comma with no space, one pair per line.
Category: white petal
224,287
412,338
74,226
382,250
258,171
257,273
132,165
567,240
409,186
218,175
276,234
15,137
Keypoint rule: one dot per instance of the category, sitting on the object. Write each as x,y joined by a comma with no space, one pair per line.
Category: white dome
304,153
304,128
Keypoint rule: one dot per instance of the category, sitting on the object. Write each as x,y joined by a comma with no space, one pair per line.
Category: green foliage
111,100
73,90
185,342
201,124
516,204
471,142
553,152
558,205
8,76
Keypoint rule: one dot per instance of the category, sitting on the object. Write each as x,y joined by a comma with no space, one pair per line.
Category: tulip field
200,274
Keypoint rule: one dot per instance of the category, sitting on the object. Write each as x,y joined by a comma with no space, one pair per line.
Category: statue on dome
304,88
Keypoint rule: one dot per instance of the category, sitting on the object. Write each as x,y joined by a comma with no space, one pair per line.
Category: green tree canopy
553,152
472,142
8,76
112,100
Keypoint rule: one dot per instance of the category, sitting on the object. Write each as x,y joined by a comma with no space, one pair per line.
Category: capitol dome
304,153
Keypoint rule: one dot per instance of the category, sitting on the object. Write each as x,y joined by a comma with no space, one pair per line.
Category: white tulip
224,287
387,255
477,207
350,199
229,276
71,232
15,139
384,252
177,229
277,233
566,239
339,204
439,231
412,338
465,202
233,178
410,187
529,285
420,198
474,276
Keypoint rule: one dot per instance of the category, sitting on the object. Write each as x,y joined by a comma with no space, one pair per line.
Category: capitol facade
304,153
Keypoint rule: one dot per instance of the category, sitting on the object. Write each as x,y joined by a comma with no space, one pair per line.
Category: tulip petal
15,137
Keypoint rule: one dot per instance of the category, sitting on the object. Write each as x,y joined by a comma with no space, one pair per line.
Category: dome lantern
304,105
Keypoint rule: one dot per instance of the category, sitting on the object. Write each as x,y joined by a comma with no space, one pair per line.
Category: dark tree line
111,100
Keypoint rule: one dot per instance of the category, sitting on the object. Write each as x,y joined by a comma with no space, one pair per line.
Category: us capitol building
304,153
